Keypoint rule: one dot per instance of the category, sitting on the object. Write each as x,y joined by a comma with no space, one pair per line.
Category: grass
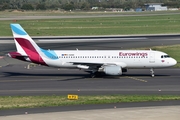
11,102
123,25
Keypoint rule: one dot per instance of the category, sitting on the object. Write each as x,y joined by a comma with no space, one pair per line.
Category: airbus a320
110,62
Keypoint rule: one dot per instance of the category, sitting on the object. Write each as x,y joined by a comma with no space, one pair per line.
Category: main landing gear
152,72
96,74
93,75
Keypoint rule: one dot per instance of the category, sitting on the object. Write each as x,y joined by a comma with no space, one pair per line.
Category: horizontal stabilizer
15,54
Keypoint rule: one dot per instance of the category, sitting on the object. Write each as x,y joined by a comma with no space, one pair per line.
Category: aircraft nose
173,62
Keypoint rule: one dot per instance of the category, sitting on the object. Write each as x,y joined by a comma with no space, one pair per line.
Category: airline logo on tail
25,45
18,30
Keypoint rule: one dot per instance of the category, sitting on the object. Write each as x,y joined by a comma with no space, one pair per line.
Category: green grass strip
123,25
11,102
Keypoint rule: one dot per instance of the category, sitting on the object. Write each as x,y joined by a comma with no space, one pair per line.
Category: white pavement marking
136,113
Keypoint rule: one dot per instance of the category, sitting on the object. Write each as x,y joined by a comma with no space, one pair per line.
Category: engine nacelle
112,70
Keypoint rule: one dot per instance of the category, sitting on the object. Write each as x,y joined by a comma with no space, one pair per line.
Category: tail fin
25,45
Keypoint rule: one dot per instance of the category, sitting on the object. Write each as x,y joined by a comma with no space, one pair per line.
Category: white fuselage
123,58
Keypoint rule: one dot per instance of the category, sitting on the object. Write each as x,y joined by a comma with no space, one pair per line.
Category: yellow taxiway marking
141,80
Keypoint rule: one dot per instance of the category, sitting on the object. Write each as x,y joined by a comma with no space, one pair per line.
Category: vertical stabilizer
25,45
22,39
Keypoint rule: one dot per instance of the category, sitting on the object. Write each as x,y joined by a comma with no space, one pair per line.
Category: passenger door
152,57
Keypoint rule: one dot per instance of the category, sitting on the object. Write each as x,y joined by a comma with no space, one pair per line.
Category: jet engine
112,70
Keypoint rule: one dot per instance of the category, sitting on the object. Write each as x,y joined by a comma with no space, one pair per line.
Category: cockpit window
165,56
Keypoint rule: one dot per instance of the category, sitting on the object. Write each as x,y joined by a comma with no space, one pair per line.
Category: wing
96,65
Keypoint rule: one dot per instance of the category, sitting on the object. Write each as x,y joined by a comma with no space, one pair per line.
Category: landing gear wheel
95,74
152,72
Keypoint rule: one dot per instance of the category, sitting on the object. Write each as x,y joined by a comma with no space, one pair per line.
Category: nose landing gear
152,72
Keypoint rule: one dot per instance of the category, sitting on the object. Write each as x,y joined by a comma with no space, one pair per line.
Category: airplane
109,62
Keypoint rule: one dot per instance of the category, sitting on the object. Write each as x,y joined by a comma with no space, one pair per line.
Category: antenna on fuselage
77,49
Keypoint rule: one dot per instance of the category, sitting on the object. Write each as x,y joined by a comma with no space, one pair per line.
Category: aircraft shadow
144,75
72,77
10,74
